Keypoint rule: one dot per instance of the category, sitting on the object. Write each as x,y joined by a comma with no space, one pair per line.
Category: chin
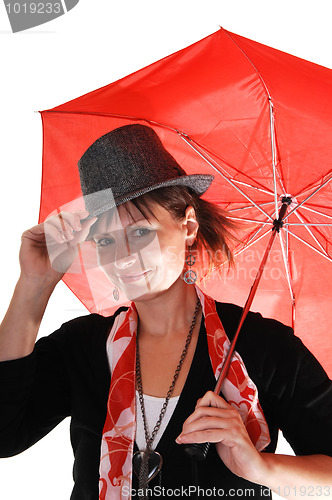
140,289
156,289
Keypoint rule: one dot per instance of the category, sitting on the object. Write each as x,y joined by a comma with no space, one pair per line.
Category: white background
97,42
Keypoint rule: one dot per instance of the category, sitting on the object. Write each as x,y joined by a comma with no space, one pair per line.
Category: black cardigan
68,375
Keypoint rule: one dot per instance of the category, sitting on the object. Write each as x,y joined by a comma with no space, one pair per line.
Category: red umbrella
261,121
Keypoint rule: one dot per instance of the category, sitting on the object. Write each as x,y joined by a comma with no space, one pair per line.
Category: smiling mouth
129,278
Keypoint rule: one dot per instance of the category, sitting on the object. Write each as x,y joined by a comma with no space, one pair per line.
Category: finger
64,228
36,233
210,398
67,224
204,411
205,436
221,421
74,218
62,256
231,429
53,234
86,226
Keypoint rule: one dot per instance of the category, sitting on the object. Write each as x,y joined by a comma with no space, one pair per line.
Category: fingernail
178,439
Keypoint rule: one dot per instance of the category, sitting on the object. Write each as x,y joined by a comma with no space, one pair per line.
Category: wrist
31,296
19,328
37,285
264,471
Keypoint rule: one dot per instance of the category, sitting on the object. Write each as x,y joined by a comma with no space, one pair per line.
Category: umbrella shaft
199,451
276,227
245,311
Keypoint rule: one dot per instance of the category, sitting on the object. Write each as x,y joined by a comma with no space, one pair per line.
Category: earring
116,294
190,276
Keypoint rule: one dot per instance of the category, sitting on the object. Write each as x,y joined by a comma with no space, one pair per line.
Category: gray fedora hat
128,162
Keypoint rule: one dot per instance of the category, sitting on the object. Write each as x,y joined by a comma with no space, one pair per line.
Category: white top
152,406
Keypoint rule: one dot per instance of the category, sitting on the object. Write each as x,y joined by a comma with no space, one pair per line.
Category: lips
130,278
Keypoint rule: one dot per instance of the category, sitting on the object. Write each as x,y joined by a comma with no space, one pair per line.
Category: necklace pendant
155,463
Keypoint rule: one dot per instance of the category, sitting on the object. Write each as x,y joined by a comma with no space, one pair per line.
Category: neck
167,312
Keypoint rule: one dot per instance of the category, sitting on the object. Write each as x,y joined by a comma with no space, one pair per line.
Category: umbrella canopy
260,120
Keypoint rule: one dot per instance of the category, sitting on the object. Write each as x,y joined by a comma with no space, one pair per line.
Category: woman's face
141,257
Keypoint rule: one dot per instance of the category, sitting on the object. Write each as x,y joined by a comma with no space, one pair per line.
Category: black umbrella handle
198,451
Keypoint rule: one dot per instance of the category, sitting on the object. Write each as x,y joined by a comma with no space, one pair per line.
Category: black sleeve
34,395
294,390
67,374
306,407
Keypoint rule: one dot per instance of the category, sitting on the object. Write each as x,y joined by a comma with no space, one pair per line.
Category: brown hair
215,232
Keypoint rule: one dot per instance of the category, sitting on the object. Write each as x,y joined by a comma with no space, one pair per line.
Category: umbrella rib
255,221
153,122
286,263
274,158
252,241
311,233
206,156
327,256
190,143
306,224
114,115
309,188
308,197
285,256
272,120
168,127
250,206
250,61
272,136
281,182
287,243
317,212
252,187
272,128
249,243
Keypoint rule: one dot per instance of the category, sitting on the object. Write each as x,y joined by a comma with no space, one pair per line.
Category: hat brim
101,201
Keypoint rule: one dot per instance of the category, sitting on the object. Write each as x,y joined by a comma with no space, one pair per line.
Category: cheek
106,263
164,257
105,257
108,269
173,257
151,255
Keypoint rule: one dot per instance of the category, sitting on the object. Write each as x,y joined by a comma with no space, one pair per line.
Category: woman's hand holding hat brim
49,249
63,235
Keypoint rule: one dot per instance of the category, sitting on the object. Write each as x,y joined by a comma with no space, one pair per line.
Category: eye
104,242
140,232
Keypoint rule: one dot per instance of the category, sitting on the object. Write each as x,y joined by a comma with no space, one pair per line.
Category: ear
191,225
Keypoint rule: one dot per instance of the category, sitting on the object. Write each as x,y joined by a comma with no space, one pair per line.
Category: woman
147,221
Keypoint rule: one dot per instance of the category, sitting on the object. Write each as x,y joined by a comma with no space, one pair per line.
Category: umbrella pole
199,451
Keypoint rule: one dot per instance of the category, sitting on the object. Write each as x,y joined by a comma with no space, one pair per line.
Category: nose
123,257
124,262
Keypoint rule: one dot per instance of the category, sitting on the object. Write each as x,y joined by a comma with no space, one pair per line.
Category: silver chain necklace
148,463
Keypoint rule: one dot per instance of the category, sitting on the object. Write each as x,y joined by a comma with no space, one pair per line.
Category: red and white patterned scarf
120,426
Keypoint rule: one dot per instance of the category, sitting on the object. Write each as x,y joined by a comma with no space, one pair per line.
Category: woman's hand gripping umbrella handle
200,450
